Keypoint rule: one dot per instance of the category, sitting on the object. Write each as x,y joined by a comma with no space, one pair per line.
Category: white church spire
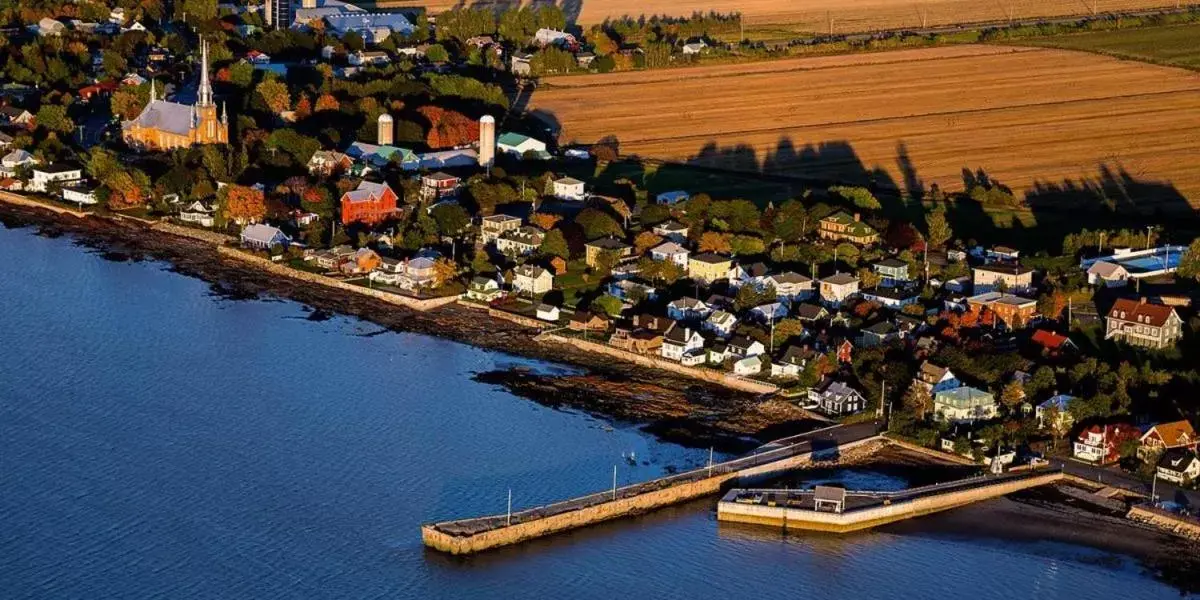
205,86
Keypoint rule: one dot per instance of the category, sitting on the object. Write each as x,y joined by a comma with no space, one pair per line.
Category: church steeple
153,92
224,114
205,86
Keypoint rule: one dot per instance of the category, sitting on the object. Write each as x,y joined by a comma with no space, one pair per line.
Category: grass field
1177,45
1048,123
814,15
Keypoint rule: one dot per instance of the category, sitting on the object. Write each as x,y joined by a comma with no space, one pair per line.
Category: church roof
166,116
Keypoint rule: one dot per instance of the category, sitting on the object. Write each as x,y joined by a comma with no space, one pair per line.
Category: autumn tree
242,204
274,95
918,400
327,102
645,241
544,221
711,241
448,128
54,118
303,107
444,271
1012,395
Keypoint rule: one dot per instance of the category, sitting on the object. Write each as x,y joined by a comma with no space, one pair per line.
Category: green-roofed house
841,226
963,405
519,145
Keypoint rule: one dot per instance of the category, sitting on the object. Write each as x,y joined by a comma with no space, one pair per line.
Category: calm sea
157,441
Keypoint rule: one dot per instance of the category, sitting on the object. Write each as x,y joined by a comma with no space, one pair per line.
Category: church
164,125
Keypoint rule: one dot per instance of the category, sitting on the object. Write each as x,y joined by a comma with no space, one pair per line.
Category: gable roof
1106,269
1175,433
166,116
810,311
1049,340
840,279
1178,460
711,258
261,233
669,248
1125,309
857,227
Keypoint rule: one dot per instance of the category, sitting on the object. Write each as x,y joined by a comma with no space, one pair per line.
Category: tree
1189,263
54,118
274,95
645,241
711,241
786,330
609,305
938,228
451,219
555,244
437,53
544,221
918,400
606,260
1042,381
444,271
747,245
242,204
860,197
448,128
303,107
791,221
597,224
327,102
1012,395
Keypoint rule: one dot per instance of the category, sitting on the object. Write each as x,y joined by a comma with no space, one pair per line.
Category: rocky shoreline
672,407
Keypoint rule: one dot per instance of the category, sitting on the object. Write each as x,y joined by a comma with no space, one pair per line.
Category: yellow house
595,248
709,267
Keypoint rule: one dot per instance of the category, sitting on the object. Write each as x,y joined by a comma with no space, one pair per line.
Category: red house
1052,344
371,203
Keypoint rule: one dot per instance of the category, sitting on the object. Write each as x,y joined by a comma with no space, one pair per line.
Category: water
159,442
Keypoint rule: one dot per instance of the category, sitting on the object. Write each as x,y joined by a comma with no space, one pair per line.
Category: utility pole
614,492
509,522
710,460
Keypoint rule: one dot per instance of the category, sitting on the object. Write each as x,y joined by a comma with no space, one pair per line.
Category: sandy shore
679,409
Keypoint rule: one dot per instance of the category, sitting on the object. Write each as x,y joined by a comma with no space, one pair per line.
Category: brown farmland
813,15
1032,119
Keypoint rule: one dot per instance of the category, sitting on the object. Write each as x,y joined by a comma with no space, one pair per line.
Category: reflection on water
160,442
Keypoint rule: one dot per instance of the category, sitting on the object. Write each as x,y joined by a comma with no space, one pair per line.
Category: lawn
1177,45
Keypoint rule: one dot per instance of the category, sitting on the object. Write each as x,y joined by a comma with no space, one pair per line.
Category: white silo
387,129
487,140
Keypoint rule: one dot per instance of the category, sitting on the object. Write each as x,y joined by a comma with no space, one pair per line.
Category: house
840,226
894,298
493,226
892,271
15,115
553,37
1179,466
709,267
5,140
585,59
845,352
672,198
687,309
324,163
331,259
1140,323
1108,274
520,146
809,312
255,57
370,203
483,289
963,405
197,212
50,27
1014,312
545,312
879,334
1101,444
59,174
373,27
1002,254
1002,277
263,237
769,313
672,230
367,260
936,378
79,192
720,323
743,346
520,242
695,47
1052,344
593,250
837,288
368,57
584,320
638,341
439,186
520,64
718,352
683,344
672,252
569,188
1059,404
529,279
791,363
1166,436
790,287
834,398
751,365
741,274
628,290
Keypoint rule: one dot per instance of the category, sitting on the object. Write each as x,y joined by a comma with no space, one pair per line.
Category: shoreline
672,407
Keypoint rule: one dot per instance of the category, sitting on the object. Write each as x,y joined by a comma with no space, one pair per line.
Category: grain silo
487,140
386,130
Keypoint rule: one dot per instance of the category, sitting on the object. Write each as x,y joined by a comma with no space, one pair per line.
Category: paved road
1115,477
836,435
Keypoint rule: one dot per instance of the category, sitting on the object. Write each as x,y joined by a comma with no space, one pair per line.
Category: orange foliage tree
242,204
645,241
327,102
448,128
712,241
544,221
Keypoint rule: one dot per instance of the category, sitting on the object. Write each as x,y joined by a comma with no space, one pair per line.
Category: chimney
857,216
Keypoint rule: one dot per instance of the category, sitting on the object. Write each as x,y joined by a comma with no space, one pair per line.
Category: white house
744,346
686,309
837,288
483,289
672,230
835,398
79,193
720,323
684,344
790,364
751,365
14,160
1059,403
263,237
56,173
545,312
769,313
569,188
672,252
1107,274
789,286
369,57
963,405
1179,466
671,198
532,280
695,47
936,378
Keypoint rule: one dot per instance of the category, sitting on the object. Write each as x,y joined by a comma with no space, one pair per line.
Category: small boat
607,428
630,458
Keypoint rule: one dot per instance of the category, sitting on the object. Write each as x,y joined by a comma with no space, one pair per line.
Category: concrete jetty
471,535
840,511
